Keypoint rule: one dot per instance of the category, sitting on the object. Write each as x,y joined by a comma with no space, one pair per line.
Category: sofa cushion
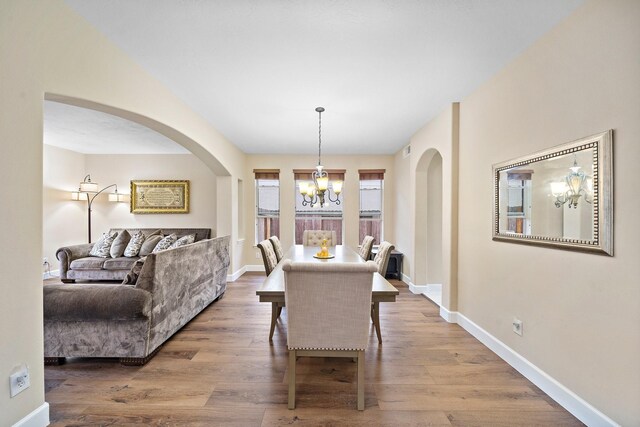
149,244
120,263
165,243
103,245
119,244
87,263
134,245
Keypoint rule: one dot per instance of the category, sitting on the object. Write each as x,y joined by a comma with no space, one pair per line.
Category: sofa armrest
87,302
68,253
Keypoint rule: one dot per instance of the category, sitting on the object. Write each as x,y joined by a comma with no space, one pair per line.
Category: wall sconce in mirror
561,197
88,190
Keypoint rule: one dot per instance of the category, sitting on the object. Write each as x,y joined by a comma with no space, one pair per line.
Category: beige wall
351,197
581,312
47,50
65,221
438,136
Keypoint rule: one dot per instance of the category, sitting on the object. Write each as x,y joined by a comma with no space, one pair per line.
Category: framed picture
159,196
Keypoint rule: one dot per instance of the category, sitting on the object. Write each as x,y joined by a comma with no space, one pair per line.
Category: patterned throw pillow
183,241
120,244
133,248
165,243
103,245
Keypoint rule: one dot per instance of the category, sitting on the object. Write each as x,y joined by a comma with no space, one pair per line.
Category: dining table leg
376,320
274,318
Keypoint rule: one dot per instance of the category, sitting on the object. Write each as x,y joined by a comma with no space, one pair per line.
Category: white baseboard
235,276
37,418
51,274
573,403
449,316
406,279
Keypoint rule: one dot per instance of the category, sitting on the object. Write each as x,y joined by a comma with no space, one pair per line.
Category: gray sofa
76,264
132,321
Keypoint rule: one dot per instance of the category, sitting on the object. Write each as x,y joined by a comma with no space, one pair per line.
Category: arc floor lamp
90,190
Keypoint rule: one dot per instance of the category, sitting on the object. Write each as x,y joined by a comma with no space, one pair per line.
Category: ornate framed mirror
560,198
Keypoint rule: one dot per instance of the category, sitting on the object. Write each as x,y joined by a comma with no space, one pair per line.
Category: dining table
272,289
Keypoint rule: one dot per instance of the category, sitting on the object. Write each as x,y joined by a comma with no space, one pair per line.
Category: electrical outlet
19,381
45,261
517,326
257,254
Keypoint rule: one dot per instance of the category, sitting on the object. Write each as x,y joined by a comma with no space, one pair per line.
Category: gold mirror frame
602,199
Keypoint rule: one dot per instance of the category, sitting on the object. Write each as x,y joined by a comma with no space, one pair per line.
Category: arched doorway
429,271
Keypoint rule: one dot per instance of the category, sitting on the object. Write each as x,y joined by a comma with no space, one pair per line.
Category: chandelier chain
319,136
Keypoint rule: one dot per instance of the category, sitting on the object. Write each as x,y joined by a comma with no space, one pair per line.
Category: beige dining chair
382,257
277,247
314,237
365,247
328,309
269,257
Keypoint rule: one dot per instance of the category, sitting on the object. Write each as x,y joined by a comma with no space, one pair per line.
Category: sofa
131,322
76,264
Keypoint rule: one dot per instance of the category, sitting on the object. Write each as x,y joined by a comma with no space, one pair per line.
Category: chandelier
574,185
317,192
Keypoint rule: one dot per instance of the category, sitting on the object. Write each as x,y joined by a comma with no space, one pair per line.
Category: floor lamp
90,189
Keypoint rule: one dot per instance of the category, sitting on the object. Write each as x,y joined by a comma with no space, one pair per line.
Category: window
267,203
371,187
329,217
519,202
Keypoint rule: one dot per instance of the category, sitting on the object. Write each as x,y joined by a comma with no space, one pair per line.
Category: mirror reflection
552,197
561,197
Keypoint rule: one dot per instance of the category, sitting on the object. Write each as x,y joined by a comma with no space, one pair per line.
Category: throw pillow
103,245
132,276
120,244
149,244
183,241
134,245
165,243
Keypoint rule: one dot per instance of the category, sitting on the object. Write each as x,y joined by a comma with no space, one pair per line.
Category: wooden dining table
272,289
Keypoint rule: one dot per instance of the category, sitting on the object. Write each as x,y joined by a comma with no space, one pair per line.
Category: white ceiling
92,132
256,70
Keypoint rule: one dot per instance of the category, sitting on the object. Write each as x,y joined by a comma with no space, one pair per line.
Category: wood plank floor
221,370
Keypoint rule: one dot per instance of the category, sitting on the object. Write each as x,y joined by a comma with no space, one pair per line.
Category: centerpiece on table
324,251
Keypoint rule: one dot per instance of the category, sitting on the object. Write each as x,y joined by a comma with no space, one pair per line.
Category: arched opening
65,166
209,159
428,275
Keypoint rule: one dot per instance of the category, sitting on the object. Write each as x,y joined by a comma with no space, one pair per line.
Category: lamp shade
303,186
124,198
76,195
323,183
337,187
88,187
558,188
113,197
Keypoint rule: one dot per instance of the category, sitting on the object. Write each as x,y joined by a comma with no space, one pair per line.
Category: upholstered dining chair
314,237
269,257
382,257
328,308
365,247
277,247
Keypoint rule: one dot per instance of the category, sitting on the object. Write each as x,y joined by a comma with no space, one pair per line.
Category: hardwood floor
221,370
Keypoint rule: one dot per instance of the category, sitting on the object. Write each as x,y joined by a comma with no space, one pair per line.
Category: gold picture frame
159,196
